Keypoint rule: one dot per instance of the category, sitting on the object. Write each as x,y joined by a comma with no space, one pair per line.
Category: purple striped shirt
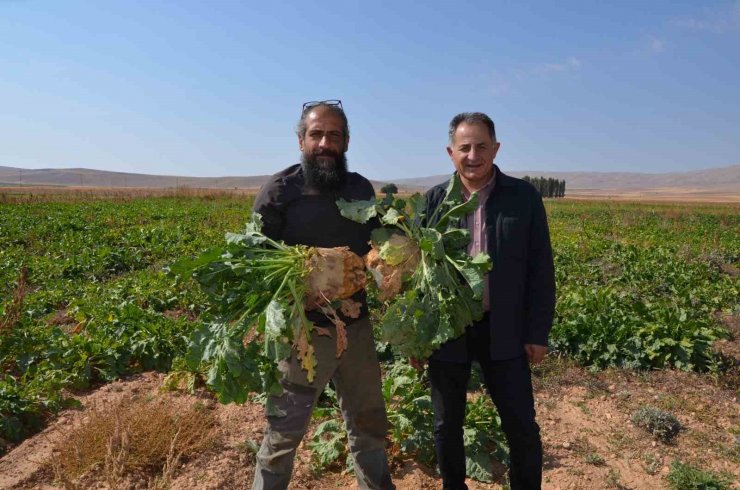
477,227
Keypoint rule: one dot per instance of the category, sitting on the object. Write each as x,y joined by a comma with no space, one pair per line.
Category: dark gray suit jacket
522,281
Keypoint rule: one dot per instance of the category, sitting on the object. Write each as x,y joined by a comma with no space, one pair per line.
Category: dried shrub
662,425
135,434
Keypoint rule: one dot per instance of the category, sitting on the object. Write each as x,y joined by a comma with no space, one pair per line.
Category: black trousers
509,382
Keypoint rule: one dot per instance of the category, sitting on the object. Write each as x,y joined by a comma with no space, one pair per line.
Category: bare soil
588,438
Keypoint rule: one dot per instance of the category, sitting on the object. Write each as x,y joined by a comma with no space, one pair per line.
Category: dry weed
117,453
61,476
164,480
13,312
135,435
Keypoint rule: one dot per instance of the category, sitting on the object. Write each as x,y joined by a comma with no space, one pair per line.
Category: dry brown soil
588,439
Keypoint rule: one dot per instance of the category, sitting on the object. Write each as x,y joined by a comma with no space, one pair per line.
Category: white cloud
571,64
654,45
501,83
718,22
499,86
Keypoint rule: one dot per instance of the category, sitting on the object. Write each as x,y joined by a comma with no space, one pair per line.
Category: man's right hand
535,353
417,364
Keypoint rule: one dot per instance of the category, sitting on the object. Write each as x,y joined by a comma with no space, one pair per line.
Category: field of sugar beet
93,332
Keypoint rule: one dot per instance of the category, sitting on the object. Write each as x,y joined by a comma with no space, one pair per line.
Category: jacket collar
502,179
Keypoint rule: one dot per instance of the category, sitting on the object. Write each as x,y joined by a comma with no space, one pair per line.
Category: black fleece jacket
293,214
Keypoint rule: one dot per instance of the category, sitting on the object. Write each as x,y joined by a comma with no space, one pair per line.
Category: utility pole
20,176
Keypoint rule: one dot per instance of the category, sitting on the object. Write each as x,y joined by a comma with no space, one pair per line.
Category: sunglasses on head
314,103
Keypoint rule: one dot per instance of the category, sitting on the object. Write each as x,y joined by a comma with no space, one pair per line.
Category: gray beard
322,176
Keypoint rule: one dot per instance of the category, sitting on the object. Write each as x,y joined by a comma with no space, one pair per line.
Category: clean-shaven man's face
472,152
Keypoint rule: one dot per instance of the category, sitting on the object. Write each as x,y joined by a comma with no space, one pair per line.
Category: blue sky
215,87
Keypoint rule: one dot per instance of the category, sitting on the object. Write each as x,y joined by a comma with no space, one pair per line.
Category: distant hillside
725,179
716,179
85,177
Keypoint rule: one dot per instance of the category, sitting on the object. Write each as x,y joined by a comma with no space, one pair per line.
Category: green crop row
638,287
97,304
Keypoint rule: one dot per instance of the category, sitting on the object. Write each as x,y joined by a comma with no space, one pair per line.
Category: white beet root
334,274
389,278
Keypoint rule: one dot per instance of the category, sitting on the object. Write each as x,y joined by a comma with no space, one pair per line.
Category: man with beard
298,206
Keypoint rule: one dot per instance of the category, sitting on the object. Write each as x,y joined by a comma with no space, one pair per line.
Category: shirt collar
486,189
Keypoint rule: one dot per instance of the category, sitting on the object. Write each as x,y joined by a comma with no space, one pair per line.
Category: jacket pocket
513,237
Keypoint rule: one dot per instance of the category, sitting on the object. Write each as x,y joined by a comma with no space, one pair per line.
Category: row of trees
547,187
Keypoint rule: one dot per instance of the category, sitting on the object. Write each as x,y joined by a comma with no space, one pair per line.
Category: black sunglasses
314,103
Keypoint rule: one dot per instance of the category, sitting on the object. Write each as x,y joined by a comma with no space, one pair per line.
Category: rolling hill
717,180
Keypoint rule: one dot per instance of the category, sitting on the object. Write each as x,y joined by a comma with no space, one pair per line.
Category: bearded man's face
323,150
325,171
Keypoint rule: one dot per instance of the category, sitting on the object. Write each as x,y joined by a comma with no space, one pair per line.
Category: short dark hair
300,128
471,118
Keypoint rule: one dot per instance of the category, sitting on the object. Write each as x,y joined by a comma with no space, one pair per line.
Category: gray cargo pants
356,376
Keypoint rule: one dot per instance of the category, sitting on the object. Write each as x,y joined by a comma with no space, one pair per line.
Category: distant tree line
546,186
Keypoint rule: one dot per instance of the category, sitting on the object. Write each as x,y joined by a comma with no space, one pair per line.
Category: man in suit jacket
509,224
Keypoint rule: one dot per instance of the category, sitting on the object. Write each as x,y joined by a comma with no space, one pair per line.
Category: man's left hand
535,353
